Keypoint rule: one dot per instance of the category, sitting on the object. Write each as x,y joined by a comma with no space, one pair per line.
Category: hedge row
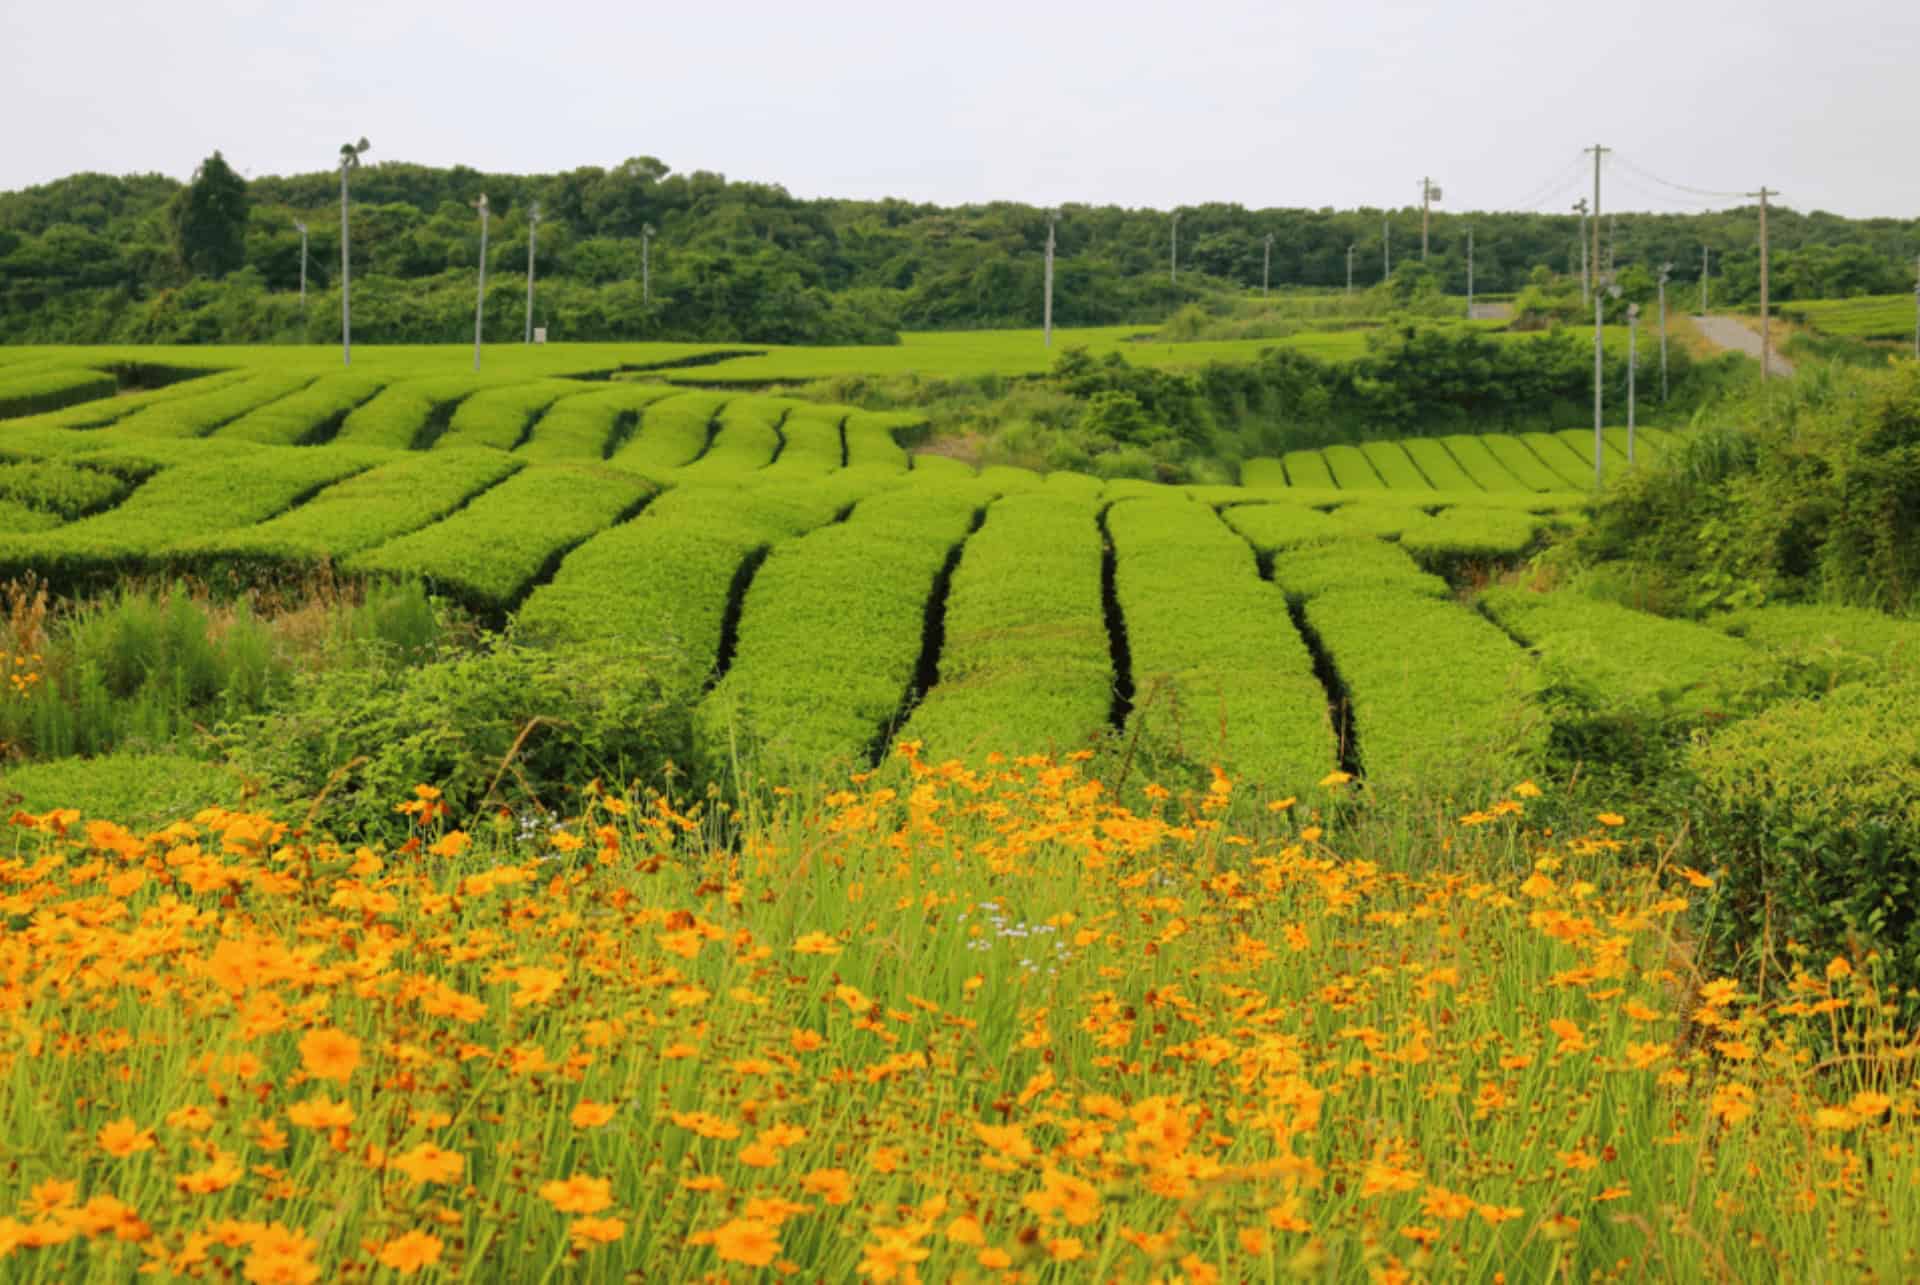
664,581
1026,664
673,434
1501,462
412,413
1307,468
928,464
198,416
224,489
832,631
502,418
1437,464
1383,519
35,392
874,438
1006,479
1462,537
592,426
1613,447
1395,467
1263,472
1439,698
99,413
1842,641
1350,468
1309,570
1599,655
402,495
1572,466
1270,528
21,519
1812,810
747,439
1220,675
811,443
311,415
492,551
1078,485
59,489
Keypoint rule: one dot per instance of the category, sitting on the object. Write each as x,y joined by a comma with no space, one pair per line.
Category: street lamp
350,154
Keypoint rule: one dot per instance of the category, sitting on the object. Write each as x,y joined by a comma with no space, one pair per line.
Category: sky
1259,102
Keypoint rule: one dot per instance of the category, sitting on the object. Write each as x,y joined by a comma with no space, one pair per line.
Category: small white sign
539,334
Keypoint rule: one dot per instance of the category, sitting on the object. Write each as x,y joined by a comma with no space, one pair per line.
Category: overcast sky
1263,102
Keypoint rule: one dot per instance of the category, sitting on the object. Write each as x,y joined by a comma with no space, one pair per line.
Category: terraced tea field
1868,317
817,590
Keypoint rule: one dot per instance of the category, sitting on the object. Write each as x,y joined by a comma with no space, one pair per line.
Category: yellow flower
585,1233
408,1253
589,1115
578,1194
1611,820
816,943
428,1163
746,1240
123,1137
328,1054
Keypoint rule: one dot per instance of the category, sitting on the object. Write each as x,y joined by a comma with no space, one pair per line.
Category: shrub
34,392
1815,805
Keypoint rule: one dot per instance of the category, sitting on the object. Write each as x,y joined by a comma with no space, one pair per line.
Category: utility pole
646,264
1046,313
480,295
1766,329
1173,257
1429,193
1580,208
303,265
533,231
349,159
1613,230
1469,273
1705,264
1633,331
1599,310
1350,250
1666,271
1266,268
1386,248
1598,152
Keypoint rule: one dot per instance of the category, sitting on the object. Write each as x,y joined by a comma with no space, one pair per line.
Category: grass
928,1026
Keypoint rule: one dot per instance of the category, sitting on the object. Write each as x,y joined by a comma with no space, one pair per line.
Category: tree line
93,257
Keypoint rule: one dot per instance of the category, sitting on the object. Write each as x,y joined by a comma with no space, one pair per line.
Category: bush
506,725
46,390
1816,806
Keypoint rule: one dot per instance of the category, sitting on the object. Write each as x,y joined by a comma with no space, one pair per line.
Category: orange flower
589,1115
748,1241
320,1112
578,1194
428,1163
409,1253
1612,820
816,943
329,1054
123,1137
835,1186
585,1233
1065,1249
49,1197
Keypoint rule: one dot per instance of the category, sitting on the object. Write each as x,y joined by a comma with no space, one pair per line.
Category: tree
208,220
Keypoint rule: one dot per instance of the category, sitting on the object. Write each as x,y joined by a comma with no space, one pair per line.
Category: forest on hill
146,258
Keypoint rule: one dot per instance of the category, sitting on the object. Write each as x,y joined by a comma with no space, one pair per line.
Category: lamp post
480,293
349,160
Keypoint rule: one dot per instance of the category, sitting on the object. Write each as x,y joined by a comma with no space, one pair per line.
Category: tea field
1341,985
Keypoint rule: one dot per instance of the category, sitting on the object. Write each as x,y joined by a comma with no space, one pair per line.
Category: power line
1680,187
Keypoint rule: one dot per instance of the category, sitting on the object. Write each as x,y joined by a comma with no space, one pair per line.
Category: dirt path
1491,312
1730,332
